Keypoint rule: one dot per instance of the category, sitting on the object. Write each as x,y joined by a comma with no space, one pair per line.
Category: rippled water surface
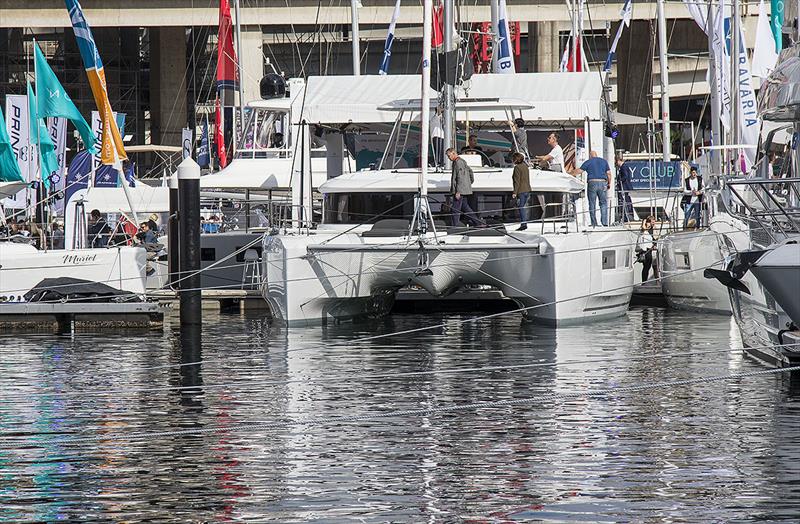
338,424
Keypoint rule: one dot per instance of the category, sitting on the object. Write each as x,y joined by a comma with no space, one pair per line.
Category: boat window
682,260
609,259
366,208
208,254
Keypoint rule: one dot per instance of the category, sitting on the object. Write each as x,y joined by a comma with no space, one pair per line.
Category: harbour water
312,424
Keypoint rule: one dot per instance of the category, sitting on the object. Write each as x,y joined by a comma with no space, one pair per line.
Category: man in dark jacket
692,199
461,187
98,229
624,186
522,188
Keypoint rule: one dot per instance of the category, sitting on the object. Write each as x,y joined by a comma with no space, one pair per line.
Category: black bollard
173,233
189,251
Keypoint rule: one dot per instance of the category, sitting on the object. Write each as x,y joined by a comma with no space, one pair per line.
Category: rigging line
346,379
334,421
296,43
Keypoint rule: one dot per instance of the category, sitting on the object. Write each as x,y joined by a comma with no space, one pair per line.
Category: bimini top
262,174
355,99
9,189
555,98
486,180
145,199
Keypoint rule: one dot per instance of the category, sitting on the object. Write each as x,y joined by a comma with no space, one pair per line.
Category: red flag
219,137
575,68
437,36
227,73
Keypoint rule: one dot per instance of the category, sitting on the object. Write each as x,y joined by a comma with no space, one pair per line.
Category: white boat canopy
556,98
9,189
355,99
145,199
258,174
486,180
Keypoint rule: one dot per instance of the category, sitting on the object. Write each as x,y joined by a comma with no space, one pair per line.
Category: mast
716,167
448,89
735,109
575,36
425,104
354,37
239,65
662,60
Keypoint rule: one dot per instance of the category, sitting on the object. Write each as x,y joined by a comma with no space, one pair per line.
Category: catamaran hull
555,279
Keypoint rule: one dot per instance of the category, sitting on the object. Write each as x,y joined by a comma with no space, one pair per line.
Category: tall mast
239,63
711,19
662,60
425,99
495,9
735,110
354,37
575,36
448,89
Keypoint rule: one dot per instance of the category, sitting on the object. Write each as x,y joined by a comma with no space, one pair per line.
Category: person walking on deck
598,182
461,187
522,188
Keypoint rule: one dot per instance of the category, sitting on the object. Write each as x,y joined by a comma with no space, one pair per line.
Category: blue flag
203,152
387,47
9,168
627,11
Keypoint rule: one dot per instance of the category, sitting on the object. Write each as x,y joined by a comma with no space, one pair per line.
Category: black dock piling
189,250
173,232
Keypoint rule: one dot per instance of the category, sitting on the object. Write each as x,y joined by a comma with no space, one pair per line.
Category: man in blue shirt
598,182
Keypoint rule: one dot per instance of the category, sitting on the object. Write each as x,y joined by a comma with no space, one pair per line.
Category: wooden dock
217,299
66,317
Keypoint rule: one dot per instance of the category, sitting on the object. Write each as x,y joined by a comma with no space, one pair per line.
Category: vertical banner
97,131
57,129
187,144
18,127
505,58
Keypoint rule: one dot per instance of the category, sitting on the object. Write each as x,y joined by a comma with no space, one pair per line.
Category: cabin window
682,260
208,254
609,259
367,208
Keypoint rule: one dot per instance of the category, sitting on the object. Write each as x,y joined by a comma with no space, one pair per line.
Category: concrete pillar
4,49
634,80
167,84
544,54
252,61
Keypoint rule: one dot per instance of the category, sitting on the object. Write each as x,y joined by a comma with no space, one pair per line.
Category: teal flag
9,169
53,100
48,161
776,22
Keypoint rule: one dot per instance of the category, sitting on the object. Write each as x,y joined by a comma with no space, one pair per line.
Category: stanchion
189,250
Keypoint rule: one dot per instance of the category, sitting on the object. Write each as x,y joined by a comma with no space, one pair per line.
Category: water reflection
272,445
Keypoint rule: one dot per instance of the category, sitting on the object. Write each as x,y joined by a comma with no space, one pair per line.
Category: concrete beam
160,13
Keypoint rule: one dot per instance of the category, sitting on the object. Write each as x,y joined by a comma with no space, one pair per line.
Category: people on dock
645,246
692,199
522,188
624,186
598,182
461,181
99,230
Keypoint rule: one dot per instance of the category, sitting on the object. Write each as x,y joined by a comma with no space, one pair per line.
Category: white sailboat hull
22,266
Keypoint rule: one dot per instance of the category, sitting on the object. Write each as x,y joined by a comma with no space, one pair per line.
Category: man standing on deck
624,187
461,187
598,182
522,188
520,136
555,158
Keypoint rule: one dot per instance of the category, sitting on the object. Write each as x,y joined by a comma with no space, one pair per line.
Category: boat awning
556,98
153,148
9,189
145,199
261,174
355,99
476,105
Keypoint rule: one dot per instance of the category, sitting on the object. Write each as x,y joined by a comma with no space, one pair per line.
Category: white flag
764,54
188,143
57,128
18,127
505,57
